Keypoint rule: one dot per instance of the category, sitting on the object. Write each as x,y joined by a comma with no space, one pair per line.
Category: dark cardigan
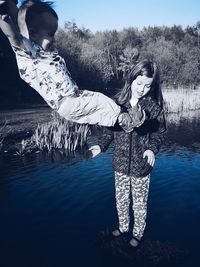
128,148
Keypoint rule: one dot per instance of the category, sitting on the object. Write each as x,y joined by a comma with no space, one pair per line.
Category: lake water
53,210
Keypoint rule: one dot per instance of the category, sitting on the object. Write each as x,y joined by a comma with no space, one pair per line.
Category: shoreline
17,125
23,121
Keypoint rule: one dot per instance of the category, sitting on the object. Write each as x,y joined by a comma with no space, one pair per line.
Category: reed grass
177,118
181,100
58,134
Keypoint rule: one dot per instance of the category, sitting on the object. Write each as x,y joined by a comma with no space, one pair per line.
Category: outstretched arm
8,22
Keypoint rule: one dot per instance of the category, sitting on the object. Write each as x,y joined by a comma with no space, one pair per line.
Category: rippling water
52,210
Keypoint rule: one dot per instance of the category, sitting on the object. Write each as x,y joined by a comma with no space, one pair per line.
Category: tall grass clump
57,134
60,134
181,100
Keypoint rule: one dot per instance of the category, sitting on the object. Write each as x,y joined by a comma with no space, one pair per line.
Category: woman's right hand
93,151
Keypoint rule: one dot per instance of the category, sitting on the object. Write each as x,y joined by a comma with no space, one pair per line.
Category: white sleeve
46,72
25,62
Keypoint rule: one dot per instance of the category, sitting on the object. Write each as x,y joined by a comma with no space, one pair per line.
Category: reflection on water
183,131
53,208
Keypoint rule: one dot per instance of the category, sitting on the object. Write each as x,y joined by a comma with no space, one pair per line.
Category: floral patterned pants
139,187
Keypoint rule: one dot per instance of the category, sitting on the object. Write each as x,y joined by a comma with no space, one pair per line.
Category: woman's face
141,86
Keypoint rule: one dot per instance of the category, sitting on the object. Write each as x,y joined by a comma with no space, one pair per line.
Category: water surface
52,209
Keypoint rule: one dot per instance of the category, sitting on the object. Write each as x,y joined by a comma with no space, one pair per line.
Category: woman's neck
133,101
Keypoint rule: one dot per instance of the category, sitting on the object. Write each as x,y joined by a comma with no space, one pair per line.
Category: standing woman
134,152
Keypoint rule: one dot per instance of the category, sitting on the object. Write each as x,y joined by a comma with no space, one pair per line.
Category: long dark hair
151,70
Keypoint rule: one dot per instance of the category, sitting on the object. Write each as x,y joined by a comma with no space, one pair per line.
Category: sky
100,15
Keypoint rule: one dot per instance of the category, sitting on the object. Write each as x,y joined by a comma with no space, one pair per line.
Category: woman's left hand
150,157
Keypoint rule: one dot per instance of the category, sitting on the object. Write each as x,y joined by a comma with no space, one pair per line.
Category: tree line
104,58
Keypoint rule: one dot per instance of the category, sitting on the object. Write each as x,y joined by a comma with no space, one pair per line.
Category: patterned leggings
139,187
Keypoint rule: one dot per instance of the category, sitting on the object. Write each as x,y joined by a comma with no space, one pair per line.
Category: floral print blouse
46,72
